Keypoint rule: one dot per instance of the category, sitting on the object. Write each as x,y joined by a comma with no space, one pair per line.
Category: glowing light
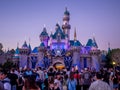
113,63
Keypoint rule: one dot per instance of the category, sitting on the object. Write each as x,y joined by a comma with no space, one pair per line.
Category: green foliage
113,55
12,51
8,64
1,46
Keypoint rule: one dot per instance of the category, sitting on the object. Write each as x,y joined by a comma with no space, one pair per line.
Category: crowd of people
59,79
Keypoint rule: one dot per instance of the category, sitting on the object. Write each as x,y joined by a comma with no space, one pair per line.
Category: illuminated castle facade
58,50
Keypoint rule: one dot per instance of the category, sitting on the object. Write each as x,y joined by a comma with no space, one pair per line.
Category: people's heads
71,75
30,82
98,75
12,70
3,74
39,68
51,69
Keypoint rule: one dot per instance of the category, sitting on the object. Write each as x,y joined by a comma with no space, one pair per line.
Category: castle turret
95,54
24,55
16,56
41,52
75,36
44,37
76,46
66,26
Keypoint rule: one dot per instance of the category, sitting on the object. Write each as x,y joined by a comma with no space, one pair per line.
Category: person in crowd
20,82
13,79
27,72
5,80
115,82
86,76
51,72
99,84
41,74
56,87
1,84
58,82
71,82
51,83
30,84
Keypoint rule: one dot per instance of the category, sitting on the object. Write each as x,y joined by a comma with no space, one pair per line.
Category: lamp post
114,63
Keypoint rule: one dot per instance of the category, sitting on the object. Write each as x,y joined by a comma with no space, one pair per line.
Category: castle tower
75,35
76,51
95,59
16,56
95,55
66,26
41,52
44,37
24,55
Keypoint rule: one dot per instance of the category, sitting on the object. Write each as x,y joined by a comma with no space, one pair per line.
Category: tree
113,55
1,46
1,51
8,65
12,51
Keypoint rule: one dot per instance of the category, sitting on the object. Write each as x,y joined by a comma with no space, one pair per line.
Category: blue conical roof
44,32
30,49
94,43
58,32
25,45
66,12
42,44
89,43
77,43
35,50
17,51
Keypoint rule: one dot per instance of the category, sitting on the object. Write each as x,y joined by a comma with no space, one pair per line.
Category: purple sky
24,19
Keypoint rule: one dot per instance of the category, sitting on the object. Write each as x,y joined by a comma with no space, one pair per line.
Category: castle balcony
85,55
75,48
24,51
94,52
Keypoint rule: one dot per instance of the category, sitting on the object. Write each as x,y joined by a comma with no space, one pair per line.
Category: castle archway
58,63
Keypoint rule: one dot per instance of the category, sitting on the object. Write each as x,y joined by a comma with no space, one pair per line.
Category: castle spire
75,36
94,41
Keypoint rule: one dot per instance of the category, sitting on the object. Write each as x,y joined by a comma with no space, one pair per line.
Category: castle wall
23,61
95,63
76,59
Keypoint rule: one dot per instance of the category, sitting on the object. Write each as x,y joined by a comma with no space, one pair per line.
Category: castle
58,50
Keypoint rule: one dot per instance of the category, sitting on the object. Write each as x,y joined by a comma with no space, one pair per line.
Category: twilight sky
24,19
